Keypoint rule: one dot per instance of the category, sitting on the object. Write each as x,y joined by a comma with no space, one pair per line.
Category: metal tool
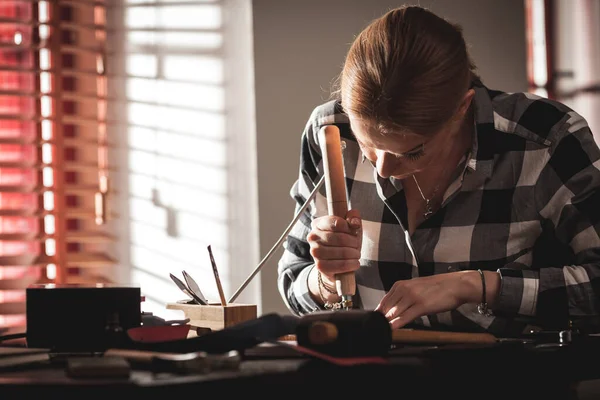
275,246
186,290
551,338
198,362
336,194
194,288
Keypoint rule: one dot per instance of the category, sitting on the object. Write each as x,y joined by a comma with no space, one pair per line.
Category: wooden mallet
368,333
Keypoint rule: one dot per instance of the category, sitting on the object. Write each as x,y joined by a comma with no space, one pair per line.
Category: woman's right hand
335,244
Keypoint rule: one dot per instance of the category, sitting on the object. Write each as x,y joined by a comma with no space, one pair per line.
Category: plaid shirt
526,204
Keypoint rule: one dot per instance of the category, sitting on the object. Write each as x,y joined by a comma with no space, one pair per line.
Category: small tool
198,362
216,274
185,289
195,289
110,367
275,246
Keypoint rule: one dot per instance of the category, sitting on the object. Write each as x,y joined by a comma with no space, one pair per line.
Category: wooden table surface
464,371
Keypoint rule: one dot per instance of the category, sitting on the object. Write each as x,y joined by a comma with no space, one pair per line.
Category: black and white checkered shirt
527,205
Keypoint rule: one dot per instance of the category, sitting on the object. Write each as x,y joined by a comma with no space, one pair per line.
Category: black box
81,318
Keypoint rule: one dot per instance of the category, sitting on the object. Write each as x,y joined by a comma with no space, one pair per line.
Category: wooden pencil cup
215,316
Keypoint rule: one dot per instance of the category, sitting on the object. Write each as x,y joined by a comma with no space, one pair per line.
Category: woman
470,208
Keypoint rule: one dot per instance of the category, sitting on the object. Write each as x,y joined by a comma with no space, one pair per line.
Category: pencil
217,279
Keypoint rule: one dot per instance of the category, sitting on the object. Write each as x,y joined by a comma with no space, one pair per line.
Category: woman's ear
463,108
466,103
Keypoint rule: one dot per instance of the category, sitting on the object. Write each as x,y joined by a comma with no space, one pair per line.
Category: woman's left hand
412,298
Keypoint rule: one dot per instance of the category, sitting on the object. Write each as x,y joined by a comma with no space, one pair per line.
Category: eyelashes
409,156
413,156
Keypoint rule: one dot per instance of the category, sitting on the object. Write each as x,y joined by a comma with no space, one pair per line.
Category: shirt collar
484,122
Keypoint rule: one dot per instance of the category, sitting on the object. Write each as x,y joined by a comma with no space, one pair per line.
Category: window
127,147
181,98
54,173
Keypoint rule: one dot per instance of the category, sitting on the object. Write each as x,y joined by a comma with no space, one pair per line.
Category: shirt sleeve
296,262
567,197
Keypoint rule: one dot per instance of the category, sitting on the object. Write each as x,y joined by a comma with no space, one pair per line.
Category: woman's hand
335,244
410,299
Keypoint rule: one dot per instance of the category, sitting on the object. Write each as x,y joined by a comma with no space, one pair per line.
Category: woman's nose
385,164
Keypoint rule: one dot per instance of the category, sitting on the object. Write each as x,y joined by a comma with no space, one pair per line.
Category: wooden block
215,316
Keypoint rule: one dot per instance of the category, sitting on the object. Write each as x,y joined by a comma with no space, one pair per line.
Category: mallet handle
425,336
337,198
324,332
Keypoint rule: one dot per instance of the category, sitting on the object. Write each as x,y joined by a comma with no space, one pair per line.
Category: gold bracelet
326,304
321,283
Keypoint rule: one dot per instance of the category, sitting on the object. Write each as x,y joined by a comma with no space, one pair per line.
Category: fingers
331,267
396,308
402,314
325,230
335,243
333,239
353,213
399,307
405,318
333,253
331,223
390,299
354,222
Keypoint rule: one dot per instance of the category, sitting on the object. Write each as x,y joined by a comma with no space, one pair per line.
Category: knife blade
194,288
184,288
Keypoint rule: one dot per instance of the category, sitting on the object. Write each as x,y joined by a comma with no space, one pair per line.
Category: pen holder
215,316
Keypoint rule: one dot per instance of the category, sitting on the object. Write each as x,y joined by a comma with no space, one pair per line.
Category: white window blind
181,98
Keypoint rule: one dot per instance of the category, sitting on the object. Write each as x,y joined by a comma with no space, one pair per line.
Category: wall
182,119
577,57
299,47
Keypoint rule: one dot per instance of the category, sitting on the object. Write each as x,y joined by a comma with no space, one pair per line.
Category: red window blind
19,202
54,181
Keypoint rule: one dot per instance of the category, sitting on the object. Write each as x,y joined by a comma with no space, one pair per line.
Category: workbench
508,371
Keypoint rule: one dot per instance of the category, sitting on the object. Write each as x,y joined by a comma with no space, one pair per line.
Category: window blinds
54,149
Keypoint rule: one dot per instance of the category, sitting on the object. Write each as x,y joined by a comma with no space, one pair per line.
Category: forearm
473,286
321,293
567,193
554,297
299,285
293,278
